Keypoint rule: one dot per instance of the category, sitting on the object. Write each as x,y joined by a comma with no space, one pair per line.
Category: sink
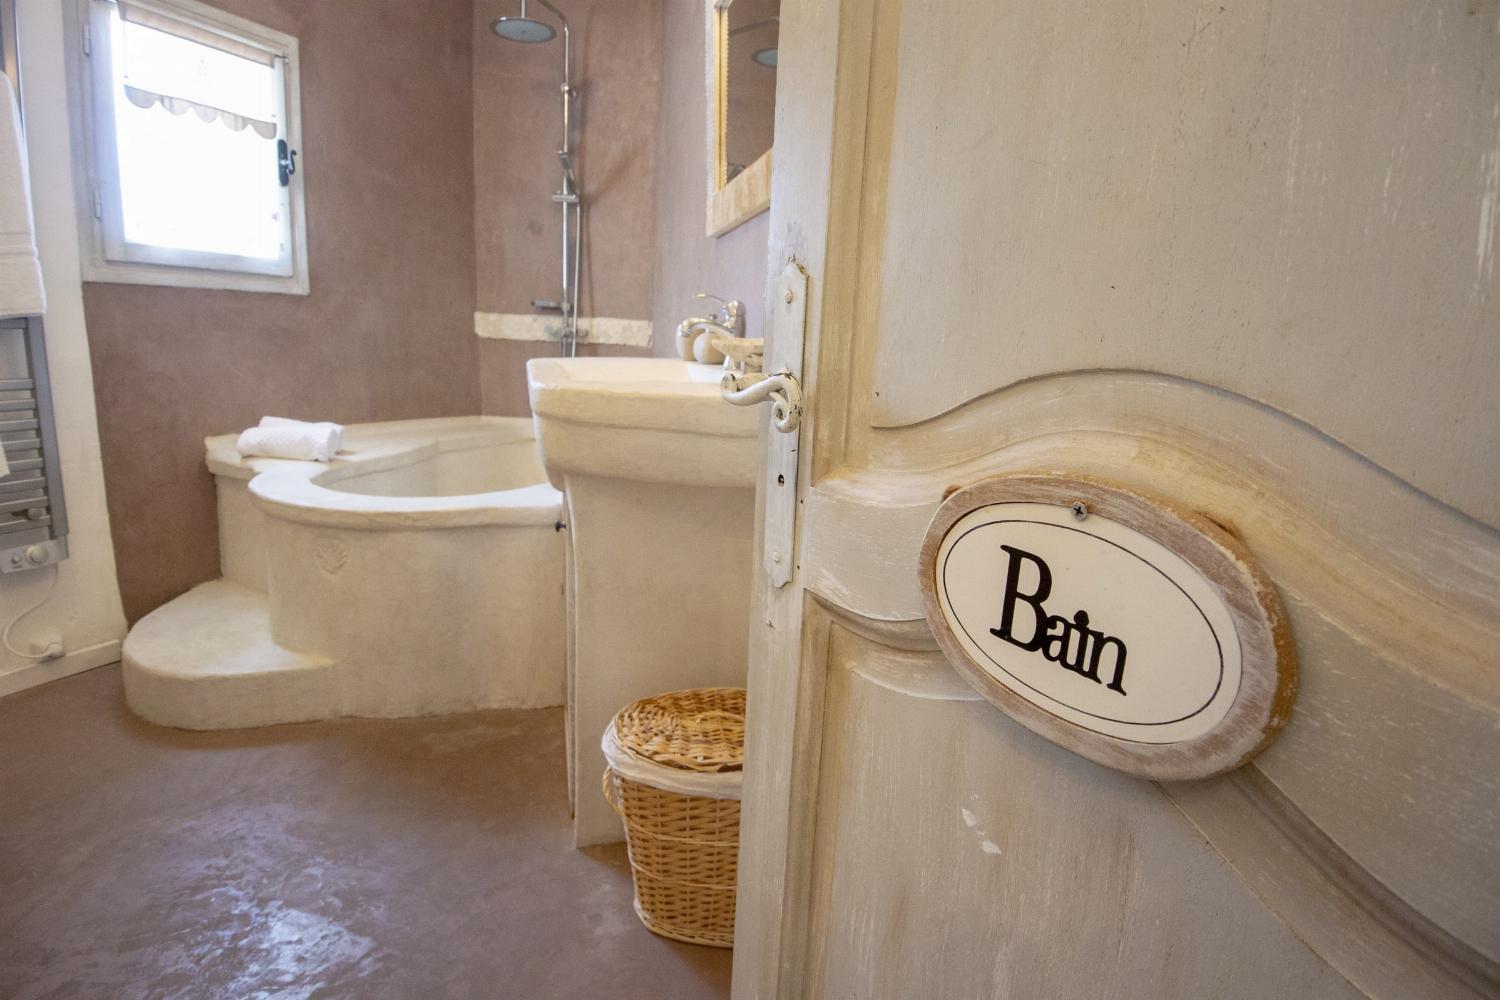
647,419
623,370
658,474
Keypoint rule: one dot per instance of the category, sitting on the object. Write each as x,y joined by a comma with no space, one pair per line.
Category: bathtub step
206,660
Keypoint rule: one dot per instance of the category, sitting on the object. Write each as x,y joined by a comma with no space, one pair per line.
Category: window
190,117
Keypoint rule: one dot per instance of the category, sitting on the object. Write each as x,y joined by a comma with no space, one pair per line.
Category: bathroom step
206,660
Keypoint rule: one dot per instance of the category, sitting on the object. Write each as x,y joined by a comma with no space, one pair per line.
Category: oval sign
1134,633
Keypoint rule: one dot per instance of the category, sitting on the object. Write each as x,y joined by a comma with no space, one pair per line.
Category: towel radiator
33,517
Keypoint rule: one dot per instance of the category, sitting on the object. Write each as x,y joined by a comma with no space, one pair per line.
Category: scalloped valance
142,98
169,57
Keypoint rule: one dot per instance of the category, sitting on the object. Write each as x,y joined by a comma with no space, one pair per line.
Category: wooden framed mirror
741,46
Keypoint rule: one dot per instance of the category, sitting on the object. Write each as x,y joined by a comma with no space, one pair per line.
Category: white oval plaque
1138,635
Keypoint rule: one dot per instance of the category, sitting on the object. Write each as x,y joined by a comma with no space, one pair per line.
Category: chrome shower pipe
569,197
528,29
570,291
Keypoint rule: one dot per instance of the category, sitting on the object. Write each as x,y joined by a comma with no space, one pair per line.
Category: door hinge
98,205
88,39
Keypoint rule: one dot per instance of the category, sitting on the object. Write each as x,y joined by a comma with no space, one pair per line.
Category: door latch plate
788,319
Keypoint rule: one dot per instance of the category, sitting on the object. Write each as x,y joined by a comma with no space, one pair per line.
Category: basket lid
699,729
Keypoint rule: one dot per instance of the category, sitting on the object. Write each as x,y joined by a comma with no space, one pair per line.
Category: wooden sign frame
1268,678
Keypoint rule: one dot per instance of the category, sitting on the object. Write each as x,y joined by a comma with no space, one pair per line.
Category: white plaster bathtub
420,572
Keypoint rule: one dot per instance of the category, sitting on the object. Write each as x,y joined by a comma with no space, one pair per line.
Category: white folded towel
4,465
20,269
319,426
291,439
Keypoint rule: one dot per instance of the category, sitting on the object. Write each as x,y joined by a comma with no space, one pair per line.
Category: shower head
528,29
523,29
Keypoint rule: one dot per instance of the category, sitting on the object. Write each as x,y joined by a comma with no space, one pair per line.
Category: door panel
1300,345
1393,599
1020,868
1207,190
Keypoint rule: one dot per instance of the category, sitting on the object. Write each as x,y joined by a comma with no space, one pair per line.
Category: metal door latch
781,388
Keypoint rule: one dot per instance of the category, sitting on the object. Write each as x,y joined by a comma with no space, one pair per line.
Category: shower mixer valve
555,331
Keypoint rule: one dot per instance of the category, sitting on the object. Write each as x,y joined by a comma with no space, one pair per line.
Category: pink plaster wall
386,332
428,164
517,128
731,266
644,152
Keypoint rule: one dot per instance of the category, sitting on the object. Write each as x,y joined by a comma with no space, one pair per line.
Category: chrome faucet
727,330
729,322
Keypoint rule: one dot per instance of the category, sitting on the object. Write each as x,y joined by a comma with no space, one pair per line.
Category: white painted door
1239,255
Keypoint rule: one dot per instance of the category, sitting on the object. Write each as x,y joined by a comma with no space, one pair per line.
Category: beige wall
517,128
687,262
385,334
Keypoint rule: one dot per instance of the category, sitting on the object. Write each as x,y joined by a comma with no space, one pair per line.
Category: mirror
743,38
753,28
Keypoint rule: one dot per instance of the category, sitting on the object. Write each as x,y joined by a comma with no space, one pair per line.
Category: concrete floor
414,858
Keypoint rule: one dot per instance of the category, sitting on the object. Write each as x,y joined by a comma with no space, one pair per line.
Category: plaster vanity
659,478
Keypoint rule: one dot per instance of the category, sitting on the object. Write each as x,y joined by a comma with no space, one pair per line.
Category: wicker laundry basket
674,778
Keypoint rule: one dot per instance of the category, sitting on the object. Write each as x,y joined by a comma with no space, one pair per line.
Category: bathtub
420,572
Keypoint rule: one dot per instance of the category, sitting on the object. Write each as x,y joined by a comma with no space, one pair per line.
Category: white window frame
105,254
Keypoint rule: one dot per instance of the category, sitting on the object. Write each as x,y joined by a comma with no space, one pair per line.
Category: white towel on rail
307,443
20,268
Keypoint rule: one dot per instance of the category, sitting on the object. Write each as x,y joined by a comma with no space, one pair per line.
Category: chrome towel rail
33,516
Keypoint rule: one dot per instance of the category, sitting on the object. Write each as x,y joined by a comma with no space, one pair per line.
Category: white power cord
5,636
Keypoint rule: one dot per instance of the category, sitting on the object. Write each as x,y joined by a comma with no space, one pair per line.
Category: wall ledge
528,326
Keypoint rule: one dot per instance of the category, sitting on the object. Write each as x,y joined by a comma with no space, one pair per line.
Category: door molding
1338,907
